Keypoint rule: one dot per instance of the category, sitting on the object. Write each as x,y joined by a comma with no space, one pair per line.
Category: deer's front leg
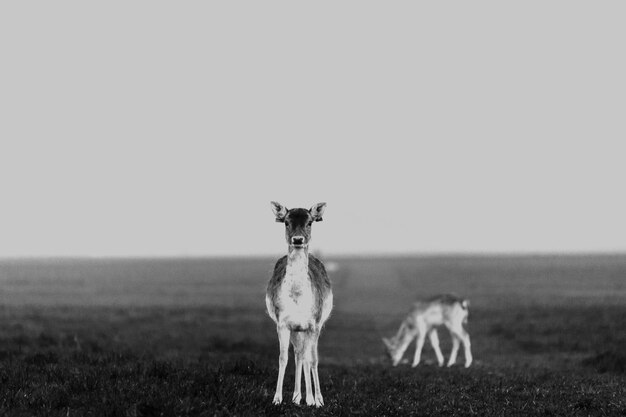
418,349
434,341
283,358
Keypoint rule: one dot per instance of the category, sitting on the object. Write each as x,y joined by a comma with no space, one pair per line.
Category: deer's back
439,309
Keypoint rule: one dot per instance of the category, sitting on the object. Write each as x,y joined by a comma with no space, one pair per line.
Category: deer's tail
465,305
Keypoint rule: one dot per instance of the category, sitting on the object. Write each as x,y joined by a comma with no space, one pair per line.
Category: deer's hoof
296,398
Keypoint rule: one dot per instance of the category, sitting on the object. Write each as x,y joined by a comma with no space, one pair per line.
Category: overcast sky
165,128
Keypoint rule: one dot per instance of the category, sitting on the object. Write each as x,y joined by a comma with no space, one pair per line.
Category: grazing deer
423,319
299,299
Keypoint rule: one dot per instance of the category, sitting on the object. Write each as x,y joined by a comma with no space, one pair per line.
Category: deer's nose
297,240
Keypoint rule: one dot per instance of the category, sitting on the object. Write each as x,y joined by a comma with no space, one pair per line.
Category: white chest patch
296,301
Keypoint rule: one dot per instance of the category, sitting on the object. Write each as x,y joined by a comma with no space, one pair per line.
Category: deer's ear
280,211
317,211
387,342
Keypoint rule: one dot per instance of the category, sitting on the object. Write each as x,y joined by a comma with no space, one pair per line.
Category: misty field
190,337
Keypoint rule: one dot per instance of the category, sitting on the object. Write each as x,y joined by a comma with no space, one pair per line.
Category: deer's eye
287,224
309,225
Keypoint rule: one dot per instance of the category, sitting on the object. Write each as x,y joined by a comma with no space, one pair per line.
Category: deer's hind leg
297,340
454,351
461,334
319,400
307,361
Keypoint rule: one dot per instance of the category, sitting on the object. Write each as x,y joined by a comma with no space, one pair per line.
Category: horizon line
382,254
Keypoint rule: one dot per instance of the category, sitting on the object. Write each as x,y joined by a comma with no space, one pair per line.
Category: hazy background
155,128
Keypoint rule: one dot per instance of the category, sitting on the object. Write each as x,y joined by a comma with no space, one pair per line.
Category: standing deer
423,319
299,299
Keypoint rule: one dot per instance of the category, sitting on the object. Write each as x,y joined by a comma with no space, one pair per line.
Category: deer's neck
298,263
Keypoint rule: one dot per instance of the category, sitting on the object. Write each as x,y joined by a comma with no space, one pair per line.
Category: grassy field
190,337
